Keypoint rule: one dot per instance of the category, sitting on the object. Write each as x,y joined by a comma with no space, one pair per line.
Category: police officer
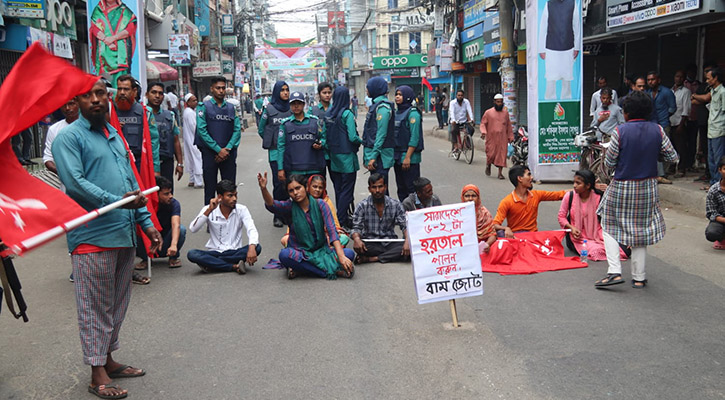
343,143
169,143
218,131
301,141
378,134
131,116
408,141
268,129
324,91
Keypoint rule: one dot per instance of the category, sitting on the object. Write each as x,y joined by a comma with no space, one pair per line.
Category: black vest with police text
338,141
165,125
271,129
298,152
132,126
219,122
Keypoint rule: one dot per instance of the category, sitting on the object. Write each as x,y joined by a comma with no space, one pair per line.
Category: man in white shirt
225,219
460,113
678,120
597,96
70,111
171,99
192,155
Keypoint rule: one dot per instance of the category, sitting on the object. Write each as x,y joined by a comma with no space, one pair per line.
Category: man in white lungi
560,38
192,155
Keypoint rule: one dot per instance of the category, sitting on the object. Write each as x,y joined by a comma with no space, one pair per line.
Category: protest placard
444,252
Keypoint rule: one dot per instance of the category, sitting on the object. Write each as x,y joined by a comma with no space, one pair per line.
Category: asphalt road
261,336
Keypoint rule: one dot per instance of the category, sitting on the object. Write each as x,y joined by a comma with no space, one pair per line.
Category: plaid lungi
103,291
631,212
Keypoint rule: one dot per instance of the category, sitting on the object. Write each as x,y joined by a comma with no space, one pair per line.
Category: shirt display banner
444,252
116,40
554,67
179,51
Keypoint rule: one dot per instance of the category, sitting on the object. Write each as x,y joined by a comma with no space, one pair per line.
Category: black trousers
386,252
404,179
344,184
167,170
714,232
22,150
439,115
227,169
279,190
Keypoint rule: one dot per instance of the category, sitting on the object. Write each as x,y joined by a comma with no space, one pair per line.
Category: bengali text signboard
444,251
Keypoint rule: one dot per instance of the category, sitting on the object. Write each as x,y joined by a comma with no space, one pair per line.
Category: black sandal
636,286
609,280
291,274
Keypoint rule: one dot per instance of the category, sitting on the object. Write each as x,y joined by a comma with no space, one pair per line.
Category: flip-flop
175,263
609,280
116,373
140,279
97,391
141,266
636,286
291,274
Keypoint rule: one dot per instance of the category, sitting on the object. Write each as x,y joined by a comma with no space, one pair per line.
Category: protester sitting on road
317,188
300,142
578,212
308,250
520,209
715,210
174,234
225,219
630,208
375,218
484,220
423,197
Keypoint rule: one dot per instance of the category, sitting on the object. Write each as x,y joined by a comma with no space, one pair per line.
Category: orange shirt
520,215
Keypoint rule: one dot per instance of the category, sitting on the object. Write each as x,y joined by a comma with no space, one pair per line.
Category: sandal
239,268
141,266
639,284
96,390
719,245
291,274
609,280
117,373
344,274
140,279
174,263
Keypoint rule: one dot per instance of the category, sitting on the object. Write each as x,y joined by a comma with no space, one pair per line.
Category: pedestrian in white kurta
192,155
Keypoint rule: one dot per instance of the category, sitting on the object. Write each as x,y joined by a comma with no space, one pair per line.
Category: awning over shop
158,71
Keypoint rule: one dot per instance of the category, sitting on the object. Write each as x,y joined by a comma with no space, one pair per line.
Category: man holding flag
93,164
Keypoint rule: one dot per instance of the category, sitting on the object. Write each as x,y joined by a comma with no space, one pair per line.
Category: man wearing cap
192,155
496,129
218,131
300,142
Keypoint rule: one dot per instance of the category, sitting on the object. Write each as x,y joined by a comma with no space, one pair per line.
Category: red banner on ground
529,253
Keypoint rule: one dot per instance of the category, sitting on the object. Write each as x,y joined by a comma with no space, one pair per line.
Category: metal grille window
394,43
392,4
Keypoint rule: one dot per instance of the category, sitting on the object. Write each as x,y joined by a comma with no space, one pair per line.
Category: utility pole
508,51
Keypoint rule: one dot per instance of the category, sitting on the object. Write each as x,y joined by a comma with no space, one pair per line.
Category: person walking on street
630,207
715,122
379,132
301,142
438,99
192,154
343,143
91,162
496,129
218,134
678,120
272,116
664,105
408,142
258,107
353,104
169,143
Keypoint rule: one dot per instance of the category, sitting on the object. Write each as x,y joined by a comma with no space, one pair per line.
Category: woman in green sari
311,223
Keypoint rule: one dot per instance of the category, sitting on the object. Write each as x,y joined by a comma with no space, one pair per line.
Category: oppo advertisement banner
115,36
554,67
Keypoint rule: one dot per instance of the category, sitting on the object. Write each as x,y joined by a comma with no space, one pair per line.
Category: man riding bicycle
460,113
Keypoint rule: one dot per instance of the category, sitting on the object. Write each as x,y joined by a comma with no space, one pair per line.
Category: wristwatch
180,165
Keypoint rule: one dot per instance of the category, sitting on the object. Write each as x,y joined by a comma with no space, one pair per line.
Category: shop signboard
227,23
472,33
621,13
554,70
111,50
400,61
411,21
60,18
227,67
25,8
438,25
491,35
473,51
474,11
229,41
292,63
201,17
492,49
206,68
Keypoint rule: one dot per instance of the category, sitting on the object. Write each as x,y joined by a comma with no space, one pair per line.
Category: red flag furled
425,83
38,84
529,253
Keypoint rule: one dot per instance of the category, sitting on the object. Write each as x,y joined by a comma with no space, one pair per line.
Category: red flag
529,253
425,83
38,84
29,206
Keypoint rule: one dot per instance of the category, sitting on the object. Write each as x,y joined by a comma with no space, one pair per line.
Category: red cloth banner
529,253
427,84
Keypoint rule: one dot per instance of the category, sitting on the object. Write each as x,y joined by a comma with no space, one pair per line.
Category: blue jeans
305,267
715,150
219,261
141,250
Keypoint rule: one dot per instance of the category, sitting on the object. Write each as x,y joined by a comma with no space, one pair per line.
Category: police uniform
408,133
132,128
295,144
168,132
378,135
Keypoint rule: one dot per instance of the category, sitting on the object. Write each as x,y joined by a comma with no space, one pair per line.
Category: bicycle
592,154
465,143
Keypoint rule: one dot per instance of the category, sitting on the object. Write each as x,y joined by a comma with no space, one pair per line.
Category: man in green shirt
300,142
378,133
343,143
715,122
217,125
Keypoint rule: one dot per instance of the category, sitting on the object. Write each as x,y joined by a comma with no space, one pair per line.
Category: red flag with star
529,253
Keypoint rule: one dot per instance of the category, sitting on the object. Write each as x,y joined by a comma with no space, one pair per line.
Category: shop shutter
522,98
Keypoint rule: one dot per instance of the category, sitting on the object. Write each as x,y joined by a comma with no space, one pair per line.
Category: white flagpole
53,233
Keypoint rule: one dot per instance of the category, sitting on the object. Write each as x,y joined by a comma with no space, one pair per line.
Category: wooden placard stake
454,313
